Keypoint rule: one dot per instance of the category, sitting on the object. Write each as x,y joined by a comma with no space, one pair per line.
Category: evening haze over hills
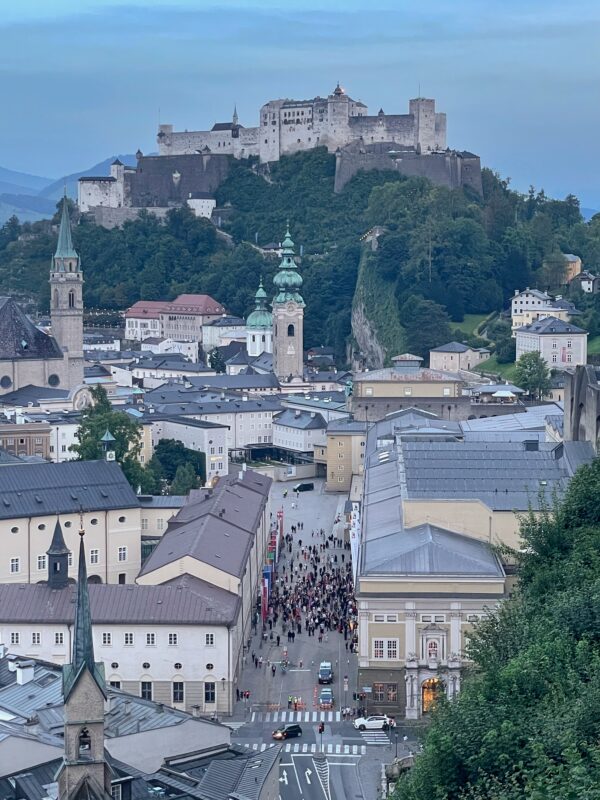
97,81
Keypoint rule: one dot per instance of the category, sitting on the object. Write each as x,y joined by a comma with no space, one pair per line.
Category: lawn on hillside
470,323
492,367
594,346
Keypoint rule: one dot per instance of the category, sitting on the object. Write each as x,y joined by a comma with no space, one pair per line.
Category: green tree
216,361
170,454
185,480
426,324
127,445
533,375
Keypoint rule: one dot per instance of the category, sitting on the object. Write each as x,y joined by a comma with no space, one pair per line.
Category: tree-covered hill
526,725
464,253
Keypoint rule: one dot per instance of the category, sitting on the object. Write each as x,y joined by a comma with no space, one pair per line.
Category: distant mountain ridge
32,197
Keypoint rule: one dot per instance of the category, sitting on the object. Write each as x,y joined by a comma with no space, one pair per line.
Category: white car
379,722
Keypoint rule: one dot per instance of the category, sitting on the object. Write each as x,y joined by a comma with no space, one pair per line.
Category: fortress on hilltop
289,126
191,164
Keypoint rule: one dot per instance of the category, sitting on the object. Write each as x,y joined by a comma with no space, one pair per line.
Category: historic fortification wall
451,168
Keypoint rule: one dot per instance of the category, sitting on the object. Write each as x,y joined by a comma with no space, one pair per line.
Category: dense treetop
463,252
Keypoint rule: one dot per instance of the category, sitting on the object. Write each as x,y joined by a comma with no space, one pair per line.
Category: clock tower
288,318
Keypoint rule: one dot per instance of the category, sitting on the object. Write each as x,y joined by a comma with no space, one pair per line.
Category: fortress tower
66,299
288,318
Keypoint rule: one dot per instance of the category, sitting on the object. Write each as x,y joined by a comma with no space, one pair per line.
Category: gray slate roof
429,550
32,490
549,326
451,347
19,337
258,381
186,600
215,527
506,476
303,420
32,394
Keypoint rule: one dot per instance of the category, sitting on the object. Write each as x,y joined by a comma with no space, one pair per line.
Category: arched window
71,299
264,338
290,330
85,744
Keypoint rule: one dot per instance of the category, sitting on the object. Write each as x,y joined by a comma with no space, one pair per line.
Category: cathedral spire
235,115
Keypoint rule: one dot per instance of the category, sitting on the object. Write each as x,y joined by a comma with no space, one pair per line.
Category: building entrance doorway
431,689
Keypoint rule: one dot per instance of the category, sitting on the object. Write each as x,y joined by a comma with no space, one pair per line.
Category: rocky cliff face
376,326
372,354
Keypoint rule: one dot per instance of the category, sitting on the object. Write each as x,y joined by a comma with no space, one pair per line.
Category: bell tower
288,318
84,773
66,299
58,560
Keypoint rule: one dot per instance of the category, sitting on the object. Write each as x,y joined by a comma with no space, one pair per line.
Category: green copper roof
64,247
260,317
83,642
288,280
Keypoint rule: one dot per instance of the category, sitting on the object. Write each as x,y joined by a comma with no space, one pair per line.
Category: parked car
379,722
287,732
325,672
326,698
304,487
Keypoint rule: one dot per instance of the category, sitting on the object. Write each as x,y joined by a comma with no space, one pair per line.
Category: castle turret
84,773
288,317
66,298
259,326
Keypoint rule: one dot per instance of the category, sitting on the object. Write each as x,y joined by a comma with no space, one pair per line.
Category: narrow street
312,765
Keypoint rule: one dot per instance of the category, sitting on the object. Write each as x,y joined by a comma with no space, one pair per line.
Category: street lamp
396,737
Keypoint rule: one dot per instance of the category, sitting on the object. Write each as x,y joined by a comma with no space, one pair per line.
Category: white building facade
560,344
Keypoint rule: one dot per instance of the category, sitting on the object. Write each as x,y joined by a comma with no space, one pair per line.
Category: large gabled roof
32,490
19,337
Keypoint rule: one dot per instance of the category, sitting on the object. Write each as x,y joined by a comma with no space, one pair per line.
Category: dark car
304,487
287,732
325,672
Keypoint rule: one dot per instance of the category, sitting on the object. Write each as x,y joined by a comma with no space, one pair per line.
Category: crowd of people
313,591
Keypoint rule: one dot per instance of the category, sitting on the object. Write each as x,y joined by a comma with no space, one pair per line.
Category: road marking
314,716
253,716
307,716
305,748
307,774
297,747
284,779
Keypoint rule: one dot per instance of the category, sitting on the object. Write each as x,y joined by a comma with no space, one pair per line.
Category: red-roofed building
181,319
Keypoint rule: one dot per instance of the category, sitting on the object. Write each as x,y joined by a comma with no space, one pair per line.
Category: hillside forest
443,253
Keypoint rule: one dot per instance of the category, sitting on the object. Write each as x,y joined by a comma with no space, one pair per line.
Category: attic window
38,499
103,493
73,496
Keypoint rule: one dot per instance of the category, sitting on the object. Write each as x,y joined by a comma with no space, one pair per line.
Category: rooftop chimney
12,662
25,670
3,651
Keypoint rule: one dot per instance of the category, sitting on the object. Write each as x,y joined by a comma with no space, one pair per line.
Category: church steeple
58,560
83,642
84,773
288,317
66,299
259,325
65,253
235,115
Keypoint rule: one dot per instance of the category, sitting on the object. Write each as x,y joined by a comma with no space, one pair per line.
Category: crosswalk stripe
338,716
314,716
255,746
288,747
305,748
253,716
283,716
263,747
363,749
306,716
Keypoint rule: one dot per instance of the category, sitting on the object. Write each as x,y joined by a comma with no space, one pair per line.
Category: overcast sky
81,80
